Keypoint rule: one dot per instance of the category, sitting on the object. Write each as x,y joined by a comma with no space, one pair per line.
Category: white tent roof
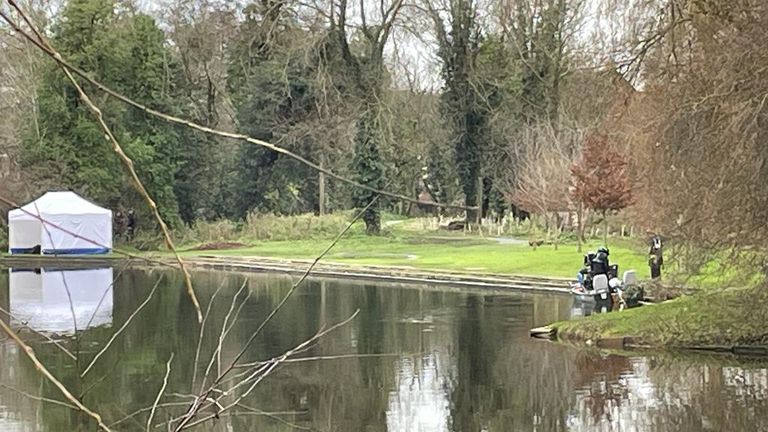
61,203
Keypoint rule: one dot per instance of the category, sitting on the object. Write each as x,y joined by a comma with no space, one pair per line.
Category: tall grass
262,227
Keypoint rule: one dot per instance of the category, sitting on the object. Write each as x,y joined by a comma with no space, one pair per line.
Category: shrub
272,227
259,226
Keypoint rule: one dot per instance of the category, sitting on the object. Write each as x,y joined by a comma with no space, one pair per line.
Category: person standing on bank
131,224
655,259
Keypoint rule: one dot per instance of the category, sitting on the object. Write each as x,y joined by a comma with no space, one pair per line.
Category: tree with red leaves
600,181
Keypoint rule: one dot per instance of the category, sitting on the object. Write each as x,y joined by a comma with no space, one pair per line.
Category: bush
208,231
258,227
272,227
145,240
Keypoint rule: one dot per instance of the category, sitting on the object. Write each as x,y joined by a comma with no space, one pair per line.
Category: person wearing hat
600,264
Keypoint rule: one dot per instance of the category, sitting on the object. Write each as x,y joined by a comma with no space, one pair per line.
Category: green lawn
451,252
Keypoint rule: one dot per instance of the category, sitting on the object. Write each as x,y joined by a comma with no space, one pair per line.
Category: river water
413,359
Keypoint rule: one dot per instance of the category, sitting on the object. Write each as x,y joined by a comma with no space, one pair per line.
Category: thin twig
197,404
187,420
258,377
122,328
295,285
41,399
323,358
273,416
216,355
110,287
225,327
202,330
257,374
145,409
93,385
160,393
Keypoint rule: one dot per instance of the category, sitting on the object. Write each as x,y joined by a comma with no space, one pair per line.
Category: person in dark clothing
655,257
588,257
600,264
119,224
131,224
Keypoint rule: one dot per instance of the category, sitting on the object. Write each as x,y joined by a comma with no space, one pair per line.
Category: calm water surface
455,361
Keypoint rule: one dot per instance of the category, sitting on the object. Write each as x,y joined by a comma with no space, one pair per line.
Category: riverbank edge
328,269
632,343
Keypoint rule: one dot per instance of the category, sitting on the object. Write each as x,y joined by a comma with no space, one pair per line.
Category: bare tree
540,182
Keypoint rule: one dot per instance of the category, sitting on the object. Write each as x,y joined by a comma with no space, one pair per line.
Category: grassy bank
733,316
408,243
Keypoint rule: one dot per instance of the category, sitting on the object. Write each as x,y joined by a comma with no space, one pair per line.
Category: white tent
45,301
72,225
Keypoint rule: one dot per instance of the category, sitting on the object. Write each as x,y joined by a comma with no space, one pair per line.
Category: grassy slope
451,253
728,317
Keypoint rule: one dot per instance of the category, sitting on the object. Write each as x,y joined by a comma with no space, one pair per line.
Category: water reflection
420,401
61,301
458,362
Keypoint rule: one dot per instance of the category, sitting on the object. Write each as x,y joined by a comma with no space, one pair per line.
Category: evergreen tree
274,95
362,54
125,51
466,104
368,166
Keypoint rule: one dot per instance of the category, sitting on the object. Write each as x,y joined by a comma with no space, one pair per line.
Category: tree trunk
321,190
366,162
579,226
479,201
605,230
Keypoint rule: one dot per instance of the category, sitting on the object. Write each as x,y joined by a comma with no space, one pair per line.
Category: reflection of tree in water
597,374
671,393
505,381
474,359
